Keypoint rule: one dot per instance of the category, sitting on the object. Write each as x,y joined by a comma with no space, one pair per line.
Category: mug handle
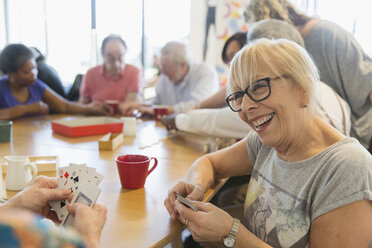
154,166
34,170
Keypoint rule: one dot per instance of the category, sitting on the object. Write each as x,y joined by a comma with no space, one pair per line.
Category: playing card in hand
186,202
71,177
87,194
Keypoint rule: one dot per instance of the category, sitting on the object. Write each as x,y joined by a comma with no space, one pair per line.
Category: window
165,20
26,22
123,17
61,30
69,37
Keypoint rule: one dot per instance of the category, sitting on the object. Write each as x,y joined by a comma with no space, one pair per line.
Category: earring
305,105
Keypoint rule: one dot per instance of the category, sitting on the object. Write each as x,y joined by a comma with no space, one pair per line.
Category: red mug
134,169
114,104
160,111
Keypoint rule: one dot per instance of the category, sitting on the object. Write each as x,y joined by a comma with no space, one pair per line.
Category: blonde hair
282,57
274,9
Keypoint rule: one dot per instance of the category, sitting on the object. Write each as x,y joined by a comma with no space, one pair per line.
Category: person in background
114,80
310,185
182,83
217,121
342,63
48,74
230,48
21,219
22,94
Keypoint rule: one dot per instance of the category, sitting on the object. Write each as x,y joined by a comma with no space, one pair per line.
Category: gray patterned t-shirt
283,198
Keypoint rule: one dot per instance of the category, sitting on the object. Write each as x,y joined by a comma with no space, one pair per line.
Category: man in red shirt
114,80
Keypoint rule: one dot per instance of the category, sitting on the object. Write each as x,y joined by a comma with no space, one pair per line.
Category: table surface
135,218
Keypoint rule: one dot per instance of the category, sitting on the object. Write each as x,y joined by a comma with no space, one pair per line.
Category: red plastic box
87,126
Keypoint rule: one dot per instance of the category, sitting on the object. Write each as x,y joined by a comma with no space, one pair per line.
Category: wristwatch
229,240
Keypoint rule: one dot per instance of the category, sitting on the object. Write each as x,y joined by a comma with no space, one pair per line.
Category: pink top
99,87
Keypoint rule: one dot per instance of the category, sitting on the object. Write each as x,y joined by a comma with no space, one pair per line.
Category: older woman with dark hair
22,94
342,63
310,185
232,46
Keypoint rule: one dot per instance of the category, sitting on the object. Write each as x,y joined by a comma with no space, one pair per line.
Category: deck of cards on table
83,181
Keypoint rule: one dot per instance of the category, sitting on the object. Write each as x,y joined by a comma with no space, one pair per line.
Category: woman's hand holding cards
187,190
208,224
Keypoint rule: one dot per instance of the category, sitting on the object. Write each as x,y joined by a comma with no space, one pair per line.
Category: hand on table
36,196
128,108
89,221
169,121
97,108
209,224
39,107
187,190
146,110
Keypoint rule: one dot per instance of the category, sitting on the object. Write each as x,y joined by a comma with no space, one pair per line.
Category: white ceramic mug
18,173
129,126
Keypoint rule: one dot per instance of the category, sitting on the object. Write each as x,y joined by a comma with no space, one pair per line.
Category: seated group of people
298,88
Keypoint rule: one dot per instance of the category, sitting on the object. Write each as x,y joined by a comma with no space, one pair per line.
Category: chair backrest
74,93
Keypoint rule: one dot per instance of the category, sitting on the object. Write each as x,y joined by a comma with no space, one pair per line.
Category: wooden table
136,218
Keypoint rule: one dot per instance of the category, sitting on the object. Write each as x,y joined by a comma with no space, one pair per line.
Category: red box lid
87,126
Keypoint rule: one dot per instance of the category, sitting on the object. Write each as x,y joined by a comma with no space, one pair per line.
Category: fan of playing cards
83,181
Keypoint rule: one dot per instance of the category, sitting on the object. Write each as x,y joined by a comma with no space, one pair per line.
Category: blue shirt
21,228
7,100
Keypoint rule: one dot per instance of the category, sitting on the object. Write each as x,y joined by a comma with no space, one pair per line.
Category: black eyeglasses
258,91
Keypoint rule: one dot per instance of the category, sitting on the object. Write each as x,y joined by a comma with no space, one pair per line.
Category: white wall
198,11
229,20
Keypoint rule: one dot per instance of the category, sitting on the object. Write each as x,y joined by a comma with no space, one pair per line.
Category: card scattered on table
83,181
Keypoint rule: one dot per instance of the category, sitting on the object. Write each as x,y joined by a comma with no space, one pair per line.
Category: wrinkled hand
169,121
36,196
39,107
146,110
187,190
128,108
97,108
89,221
209,224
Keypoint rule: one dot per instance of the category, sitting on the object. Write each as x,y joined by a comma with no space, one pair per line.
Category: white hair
178,52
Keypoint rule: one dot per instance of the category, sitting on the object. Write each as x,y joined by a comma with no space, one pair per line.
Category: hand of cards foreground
83,181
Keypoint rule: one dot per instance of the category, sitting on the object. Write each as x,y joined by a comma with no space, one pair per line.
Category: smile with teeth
259,123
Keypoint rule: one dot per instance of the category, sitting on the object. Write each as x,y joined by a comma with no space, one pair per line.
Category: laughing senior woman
310,185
